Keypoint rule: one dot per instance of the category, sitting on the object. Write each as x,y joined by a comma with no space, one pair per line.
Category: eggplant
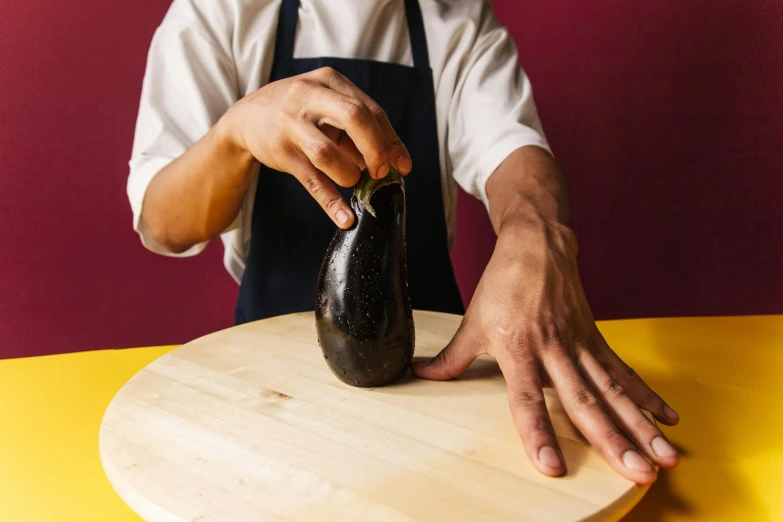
363,312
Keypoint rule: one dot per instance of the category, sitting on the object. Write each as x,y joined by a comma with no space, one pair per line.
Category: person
256,118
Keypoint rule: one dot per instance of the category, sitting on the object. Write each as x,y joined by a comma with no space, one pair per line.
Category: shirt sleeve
190,81
492,112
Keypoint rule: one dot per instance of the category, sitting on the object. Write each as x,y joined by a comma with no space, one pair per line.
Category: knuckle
327,71
519,347
526,399
355,110
378,157
515,337
642,423
332,203
443,357
286,120
552,333
447,361
584,400
553,348
546,336
376,110
298,88
613,390
569,239
542,426
612,437
631,373
313,185
280,143
321,153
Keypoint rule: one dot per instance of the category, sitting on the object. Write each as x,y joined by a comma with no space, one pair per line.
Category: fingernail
404,163
422,363
343,217
549,457
662,448
671,413
633,460
383,170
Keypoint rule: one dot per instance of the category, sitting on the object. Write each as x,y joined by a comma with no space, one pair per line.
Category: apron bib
290,231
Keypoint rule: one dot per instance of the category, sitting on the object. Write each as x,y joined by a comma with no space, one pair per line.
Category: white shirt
207,54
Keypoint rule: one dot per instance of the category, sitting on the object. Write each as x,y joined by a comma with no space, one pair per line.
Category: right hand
317,126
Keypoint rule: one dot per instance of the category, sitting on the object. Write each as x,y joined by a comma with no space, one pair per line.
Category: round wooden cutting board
249,424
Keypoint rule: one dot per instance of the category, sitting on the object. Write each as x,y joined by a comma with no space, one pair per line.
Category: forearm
198,195
529,210
528,187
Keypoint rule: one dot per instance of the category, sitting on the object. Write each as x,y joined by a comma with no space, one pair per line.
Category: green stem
367,187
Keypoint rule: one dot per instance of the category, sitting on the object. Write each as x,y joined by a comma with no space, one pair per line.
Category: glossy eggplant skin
363,312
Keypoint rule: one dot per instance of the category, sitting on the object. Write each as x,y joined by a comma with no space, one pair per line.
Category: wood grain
248,424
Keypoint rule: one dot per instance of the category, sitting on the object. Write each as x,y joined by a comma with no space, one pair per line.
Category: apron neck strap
421,58
289,16
286,31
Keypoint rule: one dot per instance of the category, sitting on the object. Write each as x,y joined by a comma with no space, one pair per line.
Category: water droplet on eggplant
366,331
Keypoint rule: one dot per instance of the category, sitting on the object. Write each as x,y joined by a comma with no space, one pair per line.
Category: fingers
398,155
626,413
326,155
347,113
323,191
347,145
585,411
453,360
635,387
528,409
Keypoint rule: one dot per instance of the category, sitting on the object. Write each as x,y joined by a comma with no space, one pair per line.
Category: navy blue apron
291,232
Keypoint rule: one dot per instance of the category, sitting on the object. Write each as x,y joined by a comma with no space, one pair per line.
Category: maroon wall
666,116
73,275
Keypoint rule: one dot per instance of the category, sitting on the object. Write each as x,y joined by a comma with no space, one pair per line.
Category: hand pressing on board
530,312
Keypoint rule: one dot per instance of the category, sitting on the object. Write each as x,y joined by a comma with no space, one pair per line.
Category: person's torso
367,30
290,232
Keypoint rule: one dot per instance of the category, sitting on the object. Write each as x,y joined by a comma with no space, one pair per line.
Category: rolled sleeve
492,112
189,82
142,171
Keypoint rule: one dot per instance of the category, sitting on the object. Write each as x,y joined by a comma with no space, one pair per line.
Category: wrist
529,227
228,140
526,210
527,186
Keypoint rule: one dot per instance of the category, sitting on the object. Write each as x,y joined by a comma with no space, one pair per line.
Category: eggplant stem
367,187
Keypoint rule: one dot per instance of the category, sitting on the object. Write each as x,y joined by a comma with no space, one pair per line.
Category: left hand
530,312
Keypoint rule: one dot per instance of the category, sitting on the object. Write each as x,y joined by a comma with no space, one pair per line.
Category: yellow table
721,374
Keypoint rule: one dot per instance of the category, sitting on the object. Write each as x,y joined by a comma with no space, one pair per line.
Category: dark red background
666,116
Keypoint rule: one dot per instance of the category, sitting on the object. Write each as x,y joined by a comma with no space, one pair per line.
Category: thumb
452,361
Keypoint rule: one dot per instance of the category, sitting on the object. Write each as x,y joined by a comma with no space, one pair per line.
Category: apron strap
286,32
289,16
421,58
